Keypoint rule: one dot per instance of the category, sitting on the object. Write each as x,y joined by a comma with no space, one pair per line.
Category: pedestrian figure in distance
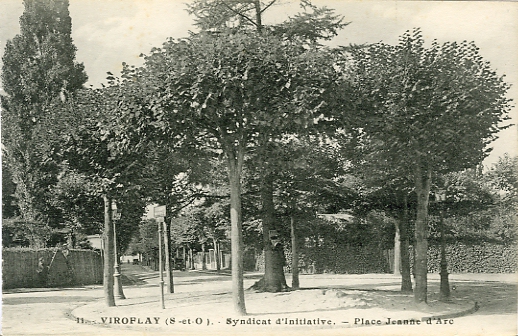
43,272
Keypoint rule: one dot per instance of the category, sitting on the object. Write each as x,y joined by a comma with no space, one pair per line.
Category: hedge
476,258
462,258
339,260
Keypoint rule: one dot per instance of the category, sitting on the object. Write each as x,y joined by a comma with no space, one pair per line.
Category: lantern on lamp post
117,283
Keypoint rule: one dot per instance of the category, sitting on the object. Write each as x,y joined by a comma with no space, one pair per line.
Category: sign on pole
159,211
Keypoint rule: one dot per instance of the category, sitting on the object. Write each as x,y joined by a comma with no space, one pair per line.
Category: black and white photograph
259,167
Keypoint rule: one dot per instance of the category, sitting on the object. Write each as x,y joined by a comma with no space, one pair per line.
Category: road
48,311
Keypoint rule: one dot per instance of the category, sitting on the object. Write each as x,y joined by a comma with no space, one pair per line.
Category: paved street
53,312
48,311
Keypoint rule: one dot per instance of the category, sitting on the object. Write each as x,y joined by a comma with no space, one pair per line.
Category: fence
29,268
210,260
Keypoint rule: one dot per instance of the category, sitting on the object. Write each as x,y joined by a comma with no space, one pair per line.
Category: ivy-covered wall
479,258
344,260
462,258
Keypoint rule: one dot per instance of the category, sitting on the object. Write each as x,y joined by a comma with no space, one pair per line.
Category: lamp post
445,285
160,212
117,283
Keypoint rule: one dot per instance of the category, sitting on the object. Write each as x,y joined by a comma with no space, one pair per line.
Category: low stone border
454,315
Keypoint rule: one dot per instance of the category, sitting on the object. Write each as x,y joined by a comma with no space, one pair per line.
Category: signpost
159,214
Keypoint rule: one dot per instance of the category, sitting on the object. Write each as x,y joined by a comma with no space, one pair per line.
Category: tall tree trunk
235,161
406,279
274,261
295,283
109,259
271,280
397,249
258,15
167,251
423,179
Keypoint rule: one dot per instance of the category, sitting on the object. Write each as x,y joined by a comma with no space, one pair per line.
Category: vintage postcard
259,167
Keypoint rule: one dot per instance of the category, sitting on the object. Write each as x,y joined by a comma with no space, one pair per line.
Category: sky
109,32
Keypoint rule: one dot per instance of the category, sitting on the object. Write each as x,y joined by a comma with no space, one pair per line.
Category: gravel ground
327,305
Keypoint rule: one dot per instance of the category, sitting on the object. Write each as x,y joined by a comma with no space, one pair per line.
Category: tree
432,109
227,89
9,208
312,25
91,123
306,28
388,188
75,196
503,178
146,241
39,67
482,203
307,182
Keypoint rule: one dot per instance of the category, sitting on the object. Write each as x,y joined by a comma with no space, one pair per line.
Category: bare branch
267,6
238,13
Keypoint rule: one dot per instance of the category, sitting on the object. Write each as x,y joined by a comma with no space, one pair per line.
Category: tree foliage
433,110
311,25
39,68
441,106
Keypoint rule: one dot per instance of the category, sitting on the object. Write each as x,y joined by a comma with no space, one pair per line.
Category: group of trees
259,121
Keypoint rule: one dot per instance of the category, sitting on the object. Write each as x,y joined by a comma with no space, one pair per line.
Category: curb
453,315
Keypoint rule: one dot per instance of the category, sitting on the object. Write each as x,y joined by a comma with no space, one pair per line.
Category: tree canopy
431,110
39,68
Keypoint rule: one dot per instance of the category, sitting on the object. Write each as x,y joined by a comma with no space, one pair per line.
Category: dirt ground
326,304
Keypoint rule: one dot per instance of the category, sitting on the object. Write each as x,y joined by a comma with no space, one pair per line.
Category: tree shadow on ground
221,278
359,287
493,298
298,312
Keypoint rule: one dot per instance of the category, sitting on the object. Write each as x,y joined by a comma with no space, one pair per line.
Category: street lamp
159,214
440,197
117,283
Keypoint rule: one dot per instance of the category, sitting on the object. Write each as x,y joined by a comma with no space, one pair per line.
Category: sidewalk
203,300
